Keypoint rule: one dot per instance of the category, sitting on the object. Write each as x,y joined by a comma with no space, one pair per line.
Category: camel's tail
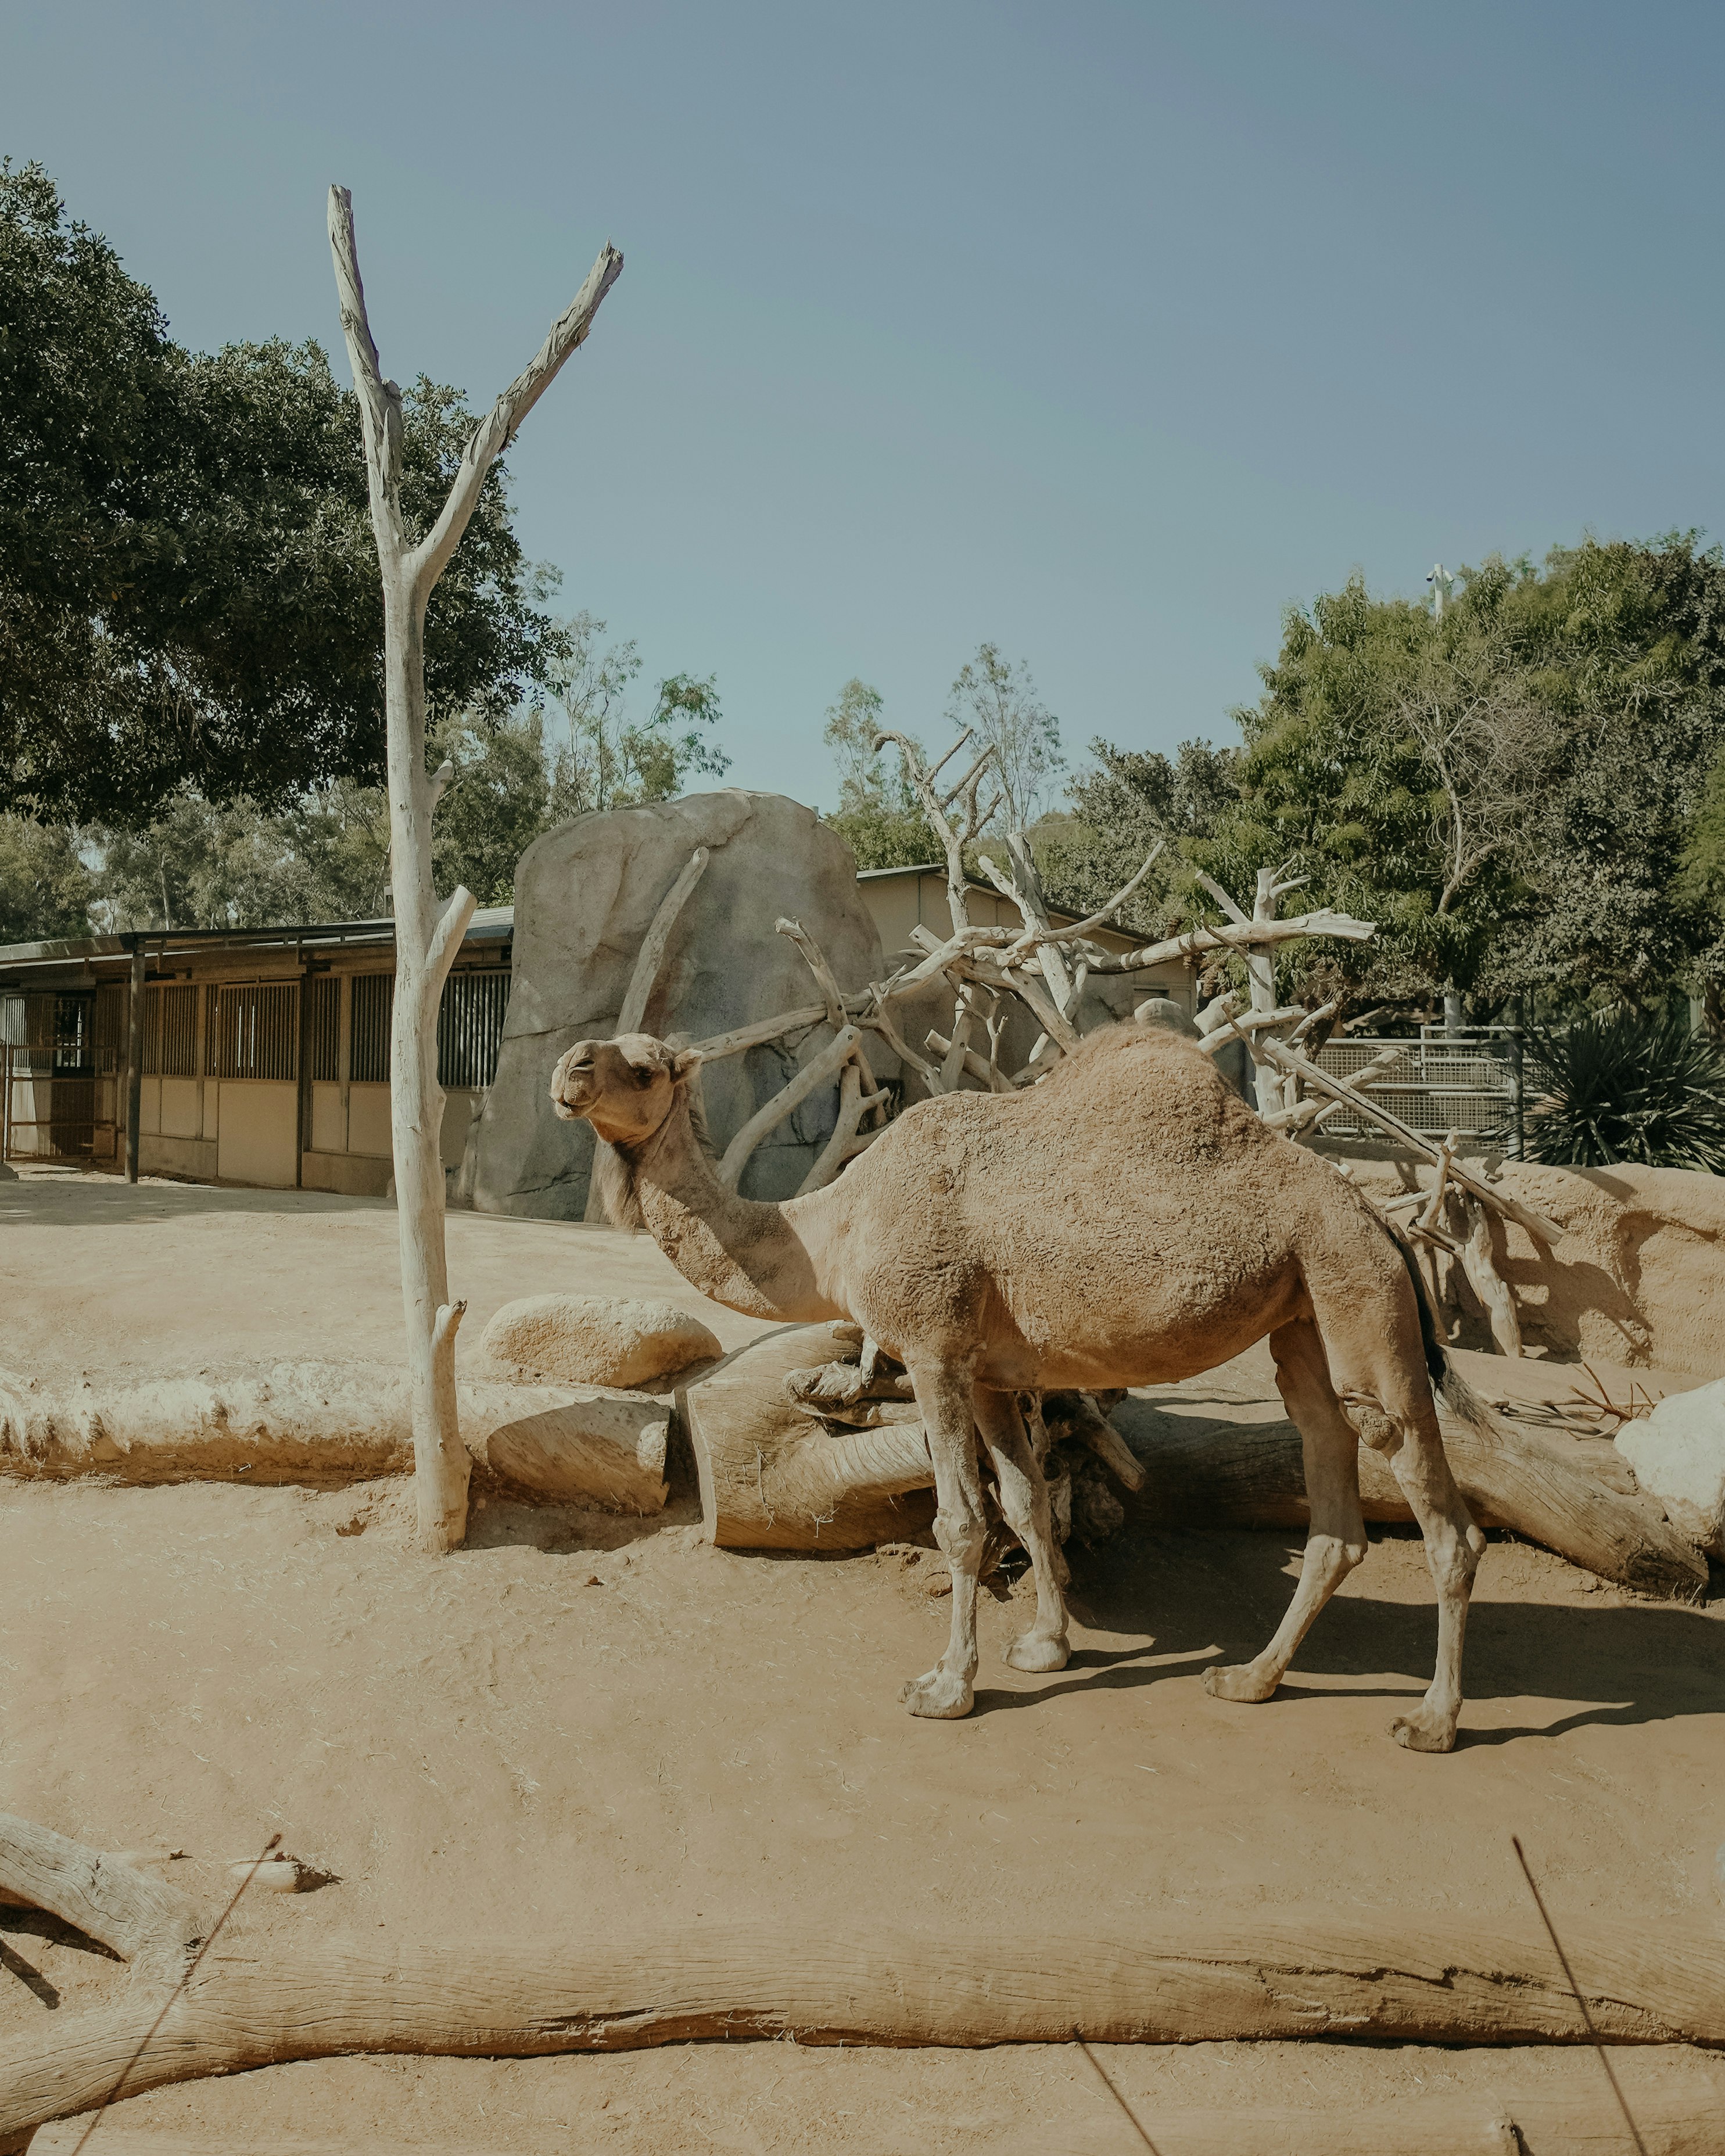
1452,1389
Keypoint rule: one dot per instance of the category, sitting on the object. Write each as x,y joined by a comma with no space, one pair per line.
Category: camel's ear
686,1061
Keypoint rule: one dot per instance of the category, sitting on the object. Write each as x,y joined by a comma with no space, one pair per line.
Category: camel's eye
642,1076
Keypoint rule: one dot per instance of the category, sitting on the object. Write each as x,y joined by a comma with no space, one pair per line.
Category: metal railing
1468,1082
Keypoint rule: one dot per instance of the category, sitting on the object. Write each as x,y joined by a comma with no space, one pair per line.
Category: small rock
597,1339
1678,1453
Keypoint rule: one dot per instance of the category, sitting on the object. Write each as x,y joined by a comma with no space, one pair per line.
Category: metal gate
1468,1082
59,1086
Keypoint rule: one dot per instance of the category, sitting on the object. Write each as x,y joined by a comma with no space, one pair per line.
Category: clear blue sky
1100,331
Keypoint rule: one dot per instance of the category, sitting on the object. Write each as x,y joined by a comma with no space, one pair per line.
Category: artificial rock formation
629,1340
1678,1453
1638,1277
586,899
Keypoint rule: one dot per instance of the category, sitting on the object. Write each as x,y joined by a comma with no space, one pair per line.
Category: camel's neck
743,1254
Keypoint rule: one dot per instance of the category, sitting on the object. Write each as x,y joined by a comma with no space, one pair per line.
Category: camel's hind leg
1378,1366
1336,1539
1024,1501
960,1528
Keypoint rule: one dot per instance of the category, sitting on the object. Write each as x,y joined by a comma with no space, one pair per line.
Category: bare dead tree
426,941
1489,743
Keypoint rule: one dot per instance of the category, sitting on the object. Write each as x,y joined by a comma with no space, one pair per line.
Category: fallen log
1583,2122
772,1478
331,1423
1409,1979
1576,1496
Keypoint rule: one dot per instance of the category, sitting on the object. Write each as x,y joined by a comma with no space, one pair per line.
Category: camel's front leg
1024,1501
948,1417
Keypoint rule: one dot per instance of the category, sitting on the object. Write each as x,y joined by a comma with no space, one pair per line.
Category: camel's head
625,1087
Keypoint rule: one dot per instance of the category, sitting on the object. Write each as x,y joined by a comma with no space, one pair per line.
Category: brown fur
1128,1221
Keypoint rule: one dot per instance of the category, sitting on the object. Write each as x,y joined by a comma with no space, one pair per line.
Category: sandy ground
576,1723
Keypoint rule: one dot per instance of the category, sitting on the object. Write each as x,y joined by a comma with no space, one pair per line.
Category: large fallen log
332,1423
1582,2121
773,1477
1576,1496
1410,1979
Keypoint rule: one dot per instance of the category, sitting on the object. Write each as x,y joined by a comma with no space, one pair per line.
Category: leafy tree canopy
878,815
1507,789
188,588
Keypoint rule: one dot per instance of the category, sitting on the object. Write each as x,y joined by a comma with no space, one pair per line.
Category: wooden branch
1098,919
1313,1114
819,1070
1229,905
880,1023
1545,1231
1250,935
1433,1212
1487,1283
130,1912
650,960
852,1104
498,429
379,400
935,807
719,1046
1217,1038
990,1074
815,959
447,938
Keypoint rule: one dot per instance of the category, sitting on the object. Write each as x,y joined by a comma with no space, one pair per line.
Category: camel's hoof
1037,1653
1424,1730
939,1697
1240,1681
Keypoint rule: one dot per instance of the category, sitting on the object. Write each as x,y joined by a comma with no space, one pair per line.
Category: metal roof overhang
492,924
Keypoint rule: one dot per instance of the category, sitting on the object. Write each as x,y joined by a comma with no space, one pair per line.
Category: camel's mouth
574,1087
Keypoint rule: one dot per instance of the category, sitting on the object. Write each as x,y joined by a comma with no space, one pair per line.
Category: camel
1128,1221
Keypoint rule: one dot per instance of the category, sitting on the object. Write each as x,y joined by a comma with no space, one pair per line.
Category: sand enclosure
581,1722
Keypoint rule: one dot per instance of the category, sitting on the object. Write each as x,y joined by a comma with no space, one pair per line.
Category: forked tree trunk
425,942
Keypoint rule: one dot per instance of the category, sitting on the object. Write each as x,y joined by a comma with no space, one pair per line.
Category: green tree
1131,799
1505,790
499,804
997,699
189,596
603,758
878,816
46,886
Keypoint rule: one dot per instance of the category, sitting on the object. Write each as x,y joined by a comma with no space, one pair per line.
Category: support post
428,937
134,1059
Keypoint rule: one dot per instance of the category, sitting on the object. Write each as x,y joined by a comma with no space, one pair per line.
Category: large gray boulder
584,897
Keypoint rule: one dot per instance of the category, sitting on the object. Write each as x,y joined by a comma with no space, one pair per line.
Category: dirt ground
579,1722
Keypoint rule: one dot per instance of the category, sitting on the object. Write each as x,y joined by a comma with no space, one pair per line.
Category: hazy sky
1102,330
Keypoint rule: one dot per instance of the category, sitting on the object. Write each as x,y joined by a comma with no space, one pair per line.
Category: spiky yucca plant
1616,1086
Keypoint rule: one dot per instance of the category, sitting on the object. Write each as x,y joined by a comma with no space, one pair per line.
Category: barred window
110,1027
470,1026
171,1030
374,1002
255,1031
323,1026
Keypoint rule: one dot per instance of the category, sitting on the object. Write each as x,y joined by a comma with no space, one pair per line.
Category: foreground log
334,1423
1578,1497
1578,2123
1402,1980
771,1477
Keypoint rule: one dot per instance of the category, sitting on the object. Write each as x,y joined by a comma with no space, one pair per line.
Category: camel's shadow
1202,1597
